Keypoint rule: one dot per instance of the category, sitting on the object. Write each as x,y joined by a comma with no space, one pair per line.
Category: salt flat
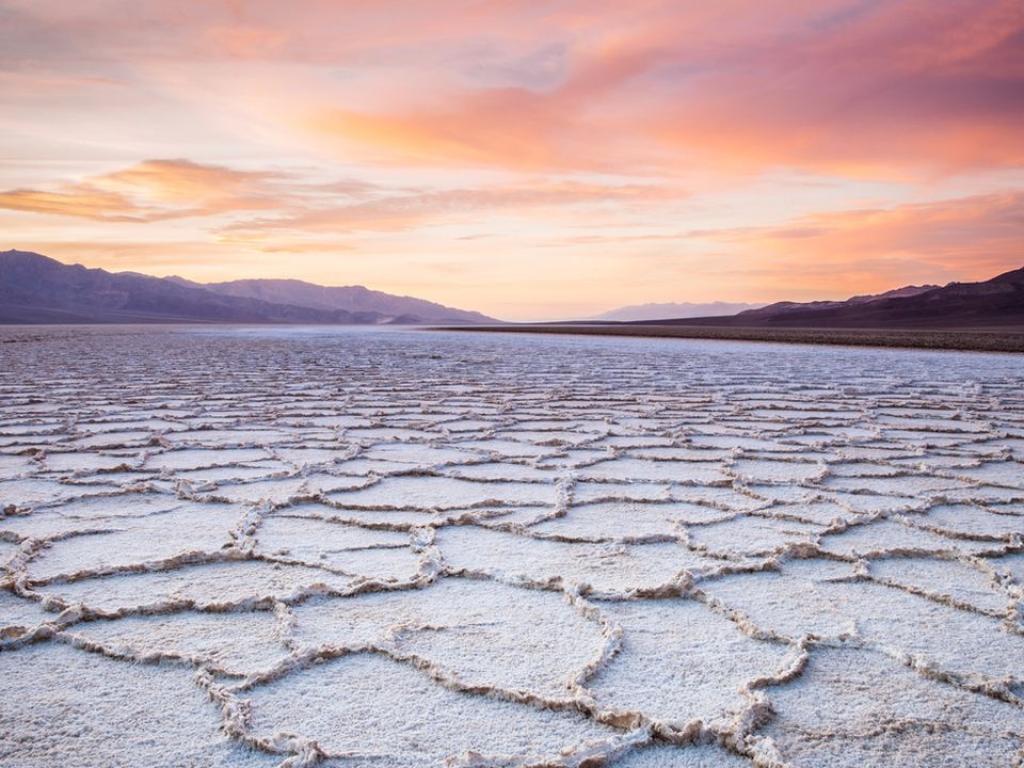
297,547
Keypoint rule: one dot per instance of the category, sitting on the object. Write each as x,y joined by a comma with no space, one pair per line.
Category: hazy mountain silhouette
38,289
637,312
351,298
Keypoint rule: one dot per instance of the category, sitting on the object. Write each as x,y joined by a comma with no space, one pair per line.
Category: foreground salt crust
288,548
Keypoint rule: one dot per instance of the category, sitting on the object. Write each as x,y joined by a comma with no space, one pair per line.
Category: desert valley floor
297,547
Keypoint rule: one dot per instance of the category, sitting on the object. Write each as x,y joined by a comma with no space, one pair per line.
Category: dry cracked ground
294,548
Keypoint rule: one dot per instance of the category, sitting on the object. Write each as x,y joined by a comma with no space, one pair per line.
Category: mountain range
38,289
641,312
998,302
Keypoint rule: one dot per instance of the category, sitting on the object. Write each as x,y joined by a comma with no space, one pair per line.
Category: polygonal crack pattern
297,548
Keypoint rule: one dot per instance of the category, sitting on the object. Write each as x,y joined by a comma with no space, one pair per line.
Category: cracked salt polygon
392,715
29,493
548,438
680,662
298,534
724,498
118,505
764,470
869,452
570,458
584,492
985,494
485,633
18,615
751,535
1007,473
114,440
307,457
51,524
791,602
32,429
865,469
665,450
370,434
657,471
889,716
604,567
363,468
890,535
970,646
494,471
229,438
785,494
419,455
628,520
386,565
936,463
208,585
232,643
64,706
467,425
28,442
968,521
824,513
745,443
80,462
508,448
201,458
433,492
146,539
944,580
229,474
276,491
386,518
913,486
874,503
123,425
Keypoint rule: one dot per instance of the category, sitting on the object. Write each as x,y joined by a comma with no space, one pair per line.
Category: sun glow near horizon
525,160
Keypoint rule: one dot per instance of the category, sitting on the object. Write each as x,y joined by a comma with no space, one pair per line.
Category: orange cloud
875,249
81,200
152,190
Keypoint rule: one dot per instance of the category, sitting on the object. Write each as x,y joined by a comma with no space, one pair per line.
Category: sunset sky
527,159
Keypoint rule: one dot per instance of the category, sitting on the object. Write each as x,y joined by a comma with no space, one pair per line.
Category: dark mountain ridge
990,303
37,289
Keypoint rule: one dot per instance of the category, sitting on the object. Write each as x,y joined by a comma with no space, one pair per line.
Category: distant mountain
992,303
38,289
352,298
781,308
638,312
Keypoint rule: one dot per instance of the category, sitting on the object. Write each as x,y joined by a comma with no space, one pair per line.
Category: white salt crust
281,548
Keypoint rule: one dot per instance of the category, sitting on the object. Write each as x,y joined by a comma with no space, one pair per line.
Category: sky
528,159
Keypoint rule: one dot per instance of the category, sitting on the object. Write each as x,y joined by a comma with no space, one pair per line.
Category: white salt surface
296,547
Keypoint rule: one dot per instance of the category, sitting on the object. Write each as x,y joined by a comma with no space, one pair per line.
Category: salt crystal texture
338,548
